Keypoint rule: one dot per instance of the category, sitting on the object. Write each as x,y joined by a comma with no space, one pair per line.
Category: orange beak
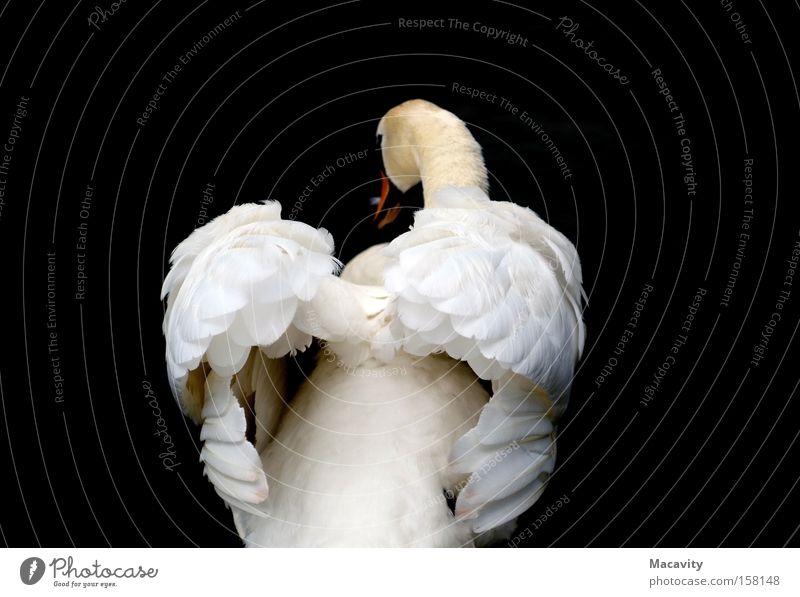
391,213
384,194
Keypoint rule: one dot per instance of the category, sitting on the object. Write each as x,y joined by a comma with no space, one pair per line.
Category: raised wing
494,285
241,296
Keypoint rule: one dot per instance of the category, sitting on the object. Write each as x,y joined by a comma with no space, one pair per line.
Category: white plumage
393,418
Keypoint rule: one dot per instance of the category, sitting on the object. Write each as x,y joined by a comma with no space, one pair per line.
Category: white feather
510,285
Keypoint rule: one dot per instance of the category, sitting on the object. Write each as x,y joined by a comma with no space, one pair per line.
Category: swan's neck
448,155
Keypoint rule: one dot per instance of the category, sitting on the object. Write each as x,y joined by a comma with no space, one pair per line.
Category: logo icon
31,571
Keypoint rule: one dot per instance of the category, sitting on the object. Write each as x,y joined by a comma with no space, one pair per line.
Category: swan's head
398,133
422,142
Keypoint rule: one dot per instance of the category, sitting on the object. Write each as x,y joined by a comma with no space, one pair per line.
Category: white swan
393,418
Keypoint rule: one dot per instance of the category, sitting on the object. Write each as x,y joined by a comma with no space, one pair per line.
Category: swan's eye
378,141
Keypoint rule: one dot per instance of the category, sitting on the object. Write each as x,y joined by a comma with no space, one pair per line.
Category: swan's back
367,267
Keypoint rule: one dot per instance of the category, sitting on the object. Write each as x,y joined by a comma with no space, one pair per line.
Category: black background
285,91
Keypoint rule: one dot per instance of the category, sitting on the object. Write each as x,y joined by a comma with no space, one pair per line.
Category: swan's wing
241,297
494,285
